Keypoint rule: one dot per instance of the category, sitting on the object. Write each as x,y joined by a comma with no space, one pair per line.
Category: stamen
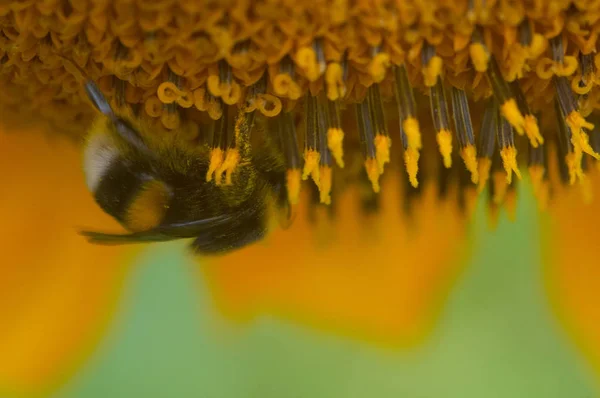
508,152
312,156
289,143
532,129
409,125
478,51
506,98
567,148
464,132
335,80
239,138
573,118
582,84
380,61
219,146
325,163
284,84
431,65
439,114
365,129
382,139
335,134
222,84
487,141
500,182
312,60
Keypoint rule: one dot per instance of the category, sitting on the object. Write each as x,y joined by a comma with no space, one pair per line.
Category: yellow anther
509,161
511,113
334,79
444,140
432,71
469,155
378,66
293,183
484,166
232,159
479,56
411,161
325,185
538,45
383,144
413,133
373,173
579,137
335,139
311,165
533,131
186,100
216,159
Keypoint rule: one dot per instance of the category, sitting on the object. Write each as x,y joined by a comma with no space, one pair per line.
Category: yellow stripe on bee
149,206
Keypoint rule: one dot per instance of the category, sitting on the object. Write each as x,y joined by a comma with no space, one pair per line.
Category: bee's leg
98,99
247,228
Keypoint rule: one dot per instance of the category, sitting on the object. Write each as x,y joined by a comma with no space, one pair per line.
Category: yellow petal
57,291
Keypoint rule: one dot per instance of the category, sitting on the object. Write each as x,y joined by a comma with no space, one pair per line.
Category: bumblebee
161,187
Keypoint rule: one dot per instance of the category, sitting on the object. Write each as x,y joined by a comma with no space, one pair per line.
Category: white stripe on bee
99,154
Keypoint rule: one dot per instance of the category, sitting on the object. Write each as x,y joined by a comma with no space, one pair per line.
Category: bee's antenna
92,90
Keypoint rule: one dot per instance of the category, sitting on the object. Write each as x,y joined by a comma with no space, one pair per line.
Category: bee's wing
161,233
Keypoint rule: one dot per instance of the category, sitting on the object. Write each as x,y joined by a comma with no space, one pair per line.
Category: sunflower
471,94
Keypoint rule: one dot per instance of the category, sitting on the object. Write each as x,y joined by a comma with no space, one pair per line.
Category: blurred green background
496,337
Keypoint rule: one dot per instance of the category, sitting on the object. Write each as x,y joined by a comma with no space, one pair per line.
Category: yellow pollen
334,77
509,161
216,159
413,133
282,83
533,131
479,56
373,173
335,139
469,155
325,186
232,158
383,144
231,93
511,112
306,58
579,138
444,140
378,66
500,187
411,161
293,183
484,166
214,85
311,165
